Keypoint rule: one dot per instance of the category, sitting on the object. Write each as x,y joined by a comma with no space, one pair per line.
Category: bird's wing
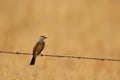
35,47
38,48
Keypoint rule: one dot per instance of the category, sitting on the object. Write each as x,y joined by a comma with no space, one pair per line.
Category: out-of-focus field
88,28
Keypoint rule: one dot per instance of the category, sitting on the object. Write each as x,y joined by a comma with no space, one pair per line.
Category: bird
39,46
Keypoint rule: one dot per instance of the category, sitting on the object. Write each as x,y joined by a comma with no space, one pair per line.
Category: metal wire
62,56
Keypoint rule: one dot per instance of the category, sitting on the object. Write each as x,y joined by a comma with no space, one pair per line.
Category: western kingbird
37,49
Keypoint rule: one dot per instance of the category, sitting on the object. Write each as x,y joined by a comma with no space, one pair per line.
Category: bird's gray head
42,37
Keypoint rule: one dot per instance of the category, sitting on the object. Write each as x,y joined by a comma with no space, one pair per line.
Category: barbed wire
61,56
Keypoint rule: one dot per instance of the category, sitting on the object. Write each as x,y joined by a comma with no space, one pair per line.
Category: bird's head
43,37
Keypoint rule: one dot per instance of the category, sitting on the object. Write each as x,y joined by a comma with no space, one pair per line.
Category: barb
61,56
10,52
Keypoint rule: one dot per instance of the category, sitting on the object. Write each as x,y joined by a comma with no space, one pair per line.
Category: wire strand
61,56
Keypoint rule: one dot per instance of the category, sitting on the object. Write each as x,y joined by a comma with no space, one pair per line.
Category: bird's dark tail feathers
33,61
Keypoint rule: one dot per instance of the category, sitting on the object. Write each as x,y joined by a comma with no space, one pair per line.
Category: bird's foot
41,55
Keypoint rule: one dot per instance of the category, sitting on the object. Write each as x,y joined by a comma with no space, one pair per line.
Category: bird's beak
45,37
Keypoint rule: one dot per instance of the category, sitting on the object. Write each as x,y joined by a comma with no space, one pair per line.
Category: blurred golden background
74,27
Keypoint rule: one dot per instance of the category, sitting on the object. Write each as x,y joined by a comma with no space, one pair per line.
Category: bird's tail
33,60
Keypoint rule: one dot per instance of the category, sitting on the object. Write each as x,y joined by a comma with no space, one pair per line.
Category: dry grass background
73,27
